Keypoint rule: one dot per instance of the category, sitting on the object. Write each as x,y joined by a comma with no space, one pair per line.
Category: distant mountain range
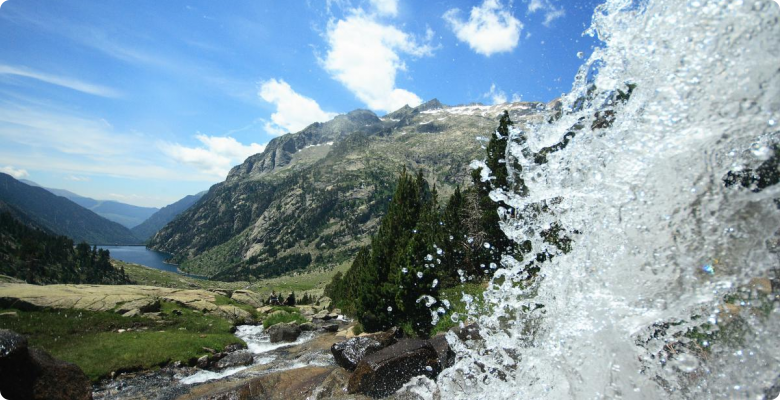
311,199
125,214
60,215
154,223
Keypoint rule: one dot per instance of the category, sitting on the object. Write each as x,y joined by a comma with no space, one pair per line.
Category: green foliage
283,317
39,257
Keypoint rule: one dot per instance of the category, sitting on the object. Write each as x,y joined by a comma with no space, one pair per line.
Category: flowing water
665,292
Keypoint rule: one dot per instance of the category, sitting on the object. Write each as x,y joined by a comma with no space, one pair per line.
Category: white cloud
293,111
364,56
551,12
496,96
76,178
490,28
1,2
386,7
69,83
215,157
17,173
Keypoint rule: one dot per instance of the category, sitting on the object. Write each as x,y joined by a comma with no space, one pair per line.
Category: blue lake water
142,255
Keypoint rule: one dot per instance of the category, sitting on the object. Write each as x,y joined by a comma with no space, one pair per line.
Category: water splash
664,291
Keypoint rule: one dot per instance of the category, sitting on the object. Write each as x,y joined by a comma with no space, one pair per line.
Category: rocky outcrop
381,373
33,374
284,332
237,359
247,297
349,352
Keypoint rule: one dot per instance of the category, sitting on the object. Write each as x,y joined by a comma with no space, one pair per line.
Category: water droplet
389,309
685,362
772,122
428,368
435,283
439,251
419,274
429,258
454,317
487,245
580,55
404,270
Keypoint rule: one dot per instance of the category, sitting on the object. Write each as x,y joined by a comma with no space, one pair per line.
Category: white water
258,342
660,239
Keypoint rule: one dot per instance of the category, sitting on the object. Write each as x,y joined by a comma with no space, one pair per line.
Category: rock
176,312
385,371
265,309
9,314
203,362
321,315
308,327
209,350
336,311
761,285
297,384
444,352
33,374
284,332
330,328
349,352
144,305
331,316
234,347
237,359
247,297
307,310
468,332
234,313
324,302
132,313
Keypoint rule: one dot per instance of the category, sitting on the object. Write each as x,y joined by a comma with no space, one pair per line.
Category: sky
148,101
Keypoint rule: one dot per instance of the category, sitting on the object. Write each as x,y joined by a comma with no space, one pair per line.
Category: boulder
237,359
307,327
443,351
9,314
284,332
264,309
132,313
468,332
330,327
324,302
306,310
331,316
349,352
203,362
144,305
234,313
383,372
321,315
34,374
234,347
247,297
336,311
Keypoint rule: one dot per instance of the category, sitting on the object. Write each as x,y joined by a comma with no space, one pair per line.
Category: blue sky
148,101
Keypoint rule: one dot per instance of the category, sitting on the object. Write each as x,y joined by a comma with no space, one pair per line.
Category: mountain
165,215
37,256
125,214
311,199
60,215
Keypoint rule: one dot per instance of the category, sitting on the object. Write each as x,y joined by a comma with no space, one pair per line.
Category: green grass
91,341
455,296
283,317
142,275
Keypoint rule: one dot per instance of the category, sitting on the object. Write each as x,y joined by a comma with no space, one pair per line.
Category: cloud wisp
73,84
550,11
293,111
490,28
365,56
17,173
216,155
386,7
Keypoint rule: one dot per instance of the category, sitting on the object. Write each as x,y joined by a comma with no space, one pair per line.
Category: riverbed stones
247,297
33,374
330,327
308,327
381,373
284,332
237,359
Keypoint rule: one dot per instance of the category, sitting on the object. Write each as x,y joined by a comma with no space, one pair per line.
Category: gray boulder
237,359
286,332
349,352
382,373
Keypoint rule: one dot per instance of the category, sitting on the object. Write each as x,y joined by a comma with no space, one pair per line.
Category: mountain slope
60,215
124,214
312,198
165,215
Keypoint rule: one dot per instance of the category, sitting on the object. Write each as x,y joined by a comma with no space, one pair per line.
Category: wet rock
331,316
381,373
234,347
468,332
321,315
33,374
349,352
286,332
301,383
443,351
308,327
237,359
203,362
330,327
247,297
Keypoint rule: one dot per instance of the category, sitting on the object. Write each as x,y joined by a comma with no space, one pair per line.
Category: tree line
423,247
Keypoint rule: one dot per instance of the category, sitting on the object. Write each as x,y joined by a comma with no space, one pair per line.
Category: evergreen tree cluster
36,256
422,247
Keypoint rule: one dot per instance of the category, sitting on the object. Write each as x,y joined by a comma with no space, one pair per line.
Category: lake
142,255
